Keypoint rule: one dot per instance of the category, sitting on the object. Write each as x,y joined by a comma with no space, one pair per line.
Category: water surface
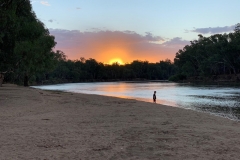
218,100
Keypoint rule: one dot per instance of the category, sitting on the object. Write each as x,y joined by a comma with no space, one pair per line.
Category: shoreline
39,124
212,109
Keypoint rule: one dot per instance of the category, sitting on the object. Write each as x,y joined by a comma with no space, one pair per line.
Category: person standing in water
154,97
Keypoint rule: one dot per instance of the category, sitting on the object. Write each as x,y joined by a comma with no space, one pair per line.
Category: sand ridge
37,124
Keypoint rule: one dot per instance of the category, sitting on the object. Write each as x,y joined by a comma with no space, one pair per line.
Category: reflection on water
218,100
227,106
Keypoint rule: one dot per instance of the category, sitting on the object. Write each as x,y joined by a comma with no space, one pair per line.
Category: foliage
25,44
177,78
215,55
90,70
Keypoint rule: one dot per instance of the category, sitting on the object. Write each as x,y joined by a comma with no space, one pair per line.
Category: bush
177,77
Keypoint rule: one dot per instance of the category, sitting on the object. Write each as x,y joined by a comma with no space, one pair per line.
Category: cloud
78,8
45,3
213,30
176,42
106,45
150,37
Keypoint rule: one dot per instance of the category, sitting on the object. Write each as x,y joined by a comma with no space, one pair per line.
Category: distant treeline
85,70
26,55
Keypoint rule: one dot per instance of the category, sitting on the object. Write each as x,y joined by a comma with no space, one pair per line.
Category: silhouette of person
154,97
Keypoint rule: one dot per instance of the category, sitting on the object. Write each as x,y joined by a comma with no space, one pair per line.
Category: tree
37,56
92,67
237,28
214,55
25,44
8,30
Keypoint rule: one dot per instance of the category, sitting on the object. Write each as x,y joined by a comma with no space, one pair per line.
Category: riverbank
37,124
225,79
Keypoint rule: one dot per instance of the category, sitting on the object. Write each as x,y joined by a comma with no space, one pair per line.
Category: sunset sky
127,30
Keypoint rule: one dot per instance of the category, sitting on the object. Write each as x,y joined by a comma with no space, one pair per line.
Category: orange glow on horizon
122,54
113,55
116,60
115,46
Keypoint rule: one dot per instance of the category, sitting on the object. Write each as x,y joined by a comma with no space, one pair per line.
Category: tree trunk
1,79
235,73
25,80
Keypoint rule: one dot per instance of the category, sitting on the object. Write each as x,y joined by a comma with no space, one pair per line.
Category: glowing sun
116,60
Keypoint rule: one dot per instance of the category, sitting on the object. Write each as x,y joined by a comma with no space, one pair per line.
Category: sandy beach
49,125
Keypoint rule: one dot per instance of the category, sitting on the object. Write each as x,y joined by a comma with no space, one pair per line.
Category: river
215,99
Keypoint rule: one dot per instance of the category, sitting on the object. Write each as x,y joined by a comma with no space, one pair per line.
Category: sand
49,125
